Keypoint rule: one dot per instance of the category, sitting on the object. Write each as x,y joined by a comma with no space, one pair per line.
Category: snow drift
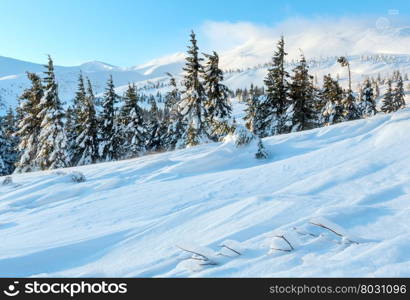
333,201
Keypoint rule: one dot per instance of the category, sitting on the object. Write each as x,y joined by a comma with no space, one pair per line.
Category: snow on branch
333,231
282,237
231,249
198,256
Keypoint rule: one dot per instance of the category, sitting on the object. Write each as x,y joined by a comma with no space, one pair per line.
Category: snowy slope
131,218
13,79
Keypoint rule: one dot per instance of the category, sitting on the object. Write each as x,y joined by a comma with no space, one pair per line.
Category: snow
172,63
13,79
133,218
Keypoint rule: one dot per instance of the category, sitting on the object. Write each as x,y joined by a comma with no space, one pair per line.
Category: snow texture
333,201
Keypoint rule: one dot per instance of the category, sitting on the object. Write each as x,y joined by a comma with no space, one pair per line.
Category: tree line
42,135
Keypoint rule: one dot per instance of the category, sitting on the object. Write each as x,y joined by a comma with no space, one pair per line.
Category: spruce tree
193,98
52,152
367,101
300,114
28,125
218,105
78,102
398,94
109,130
133,125
261,153
387,103
4,147
70,128
332,95
155,129
10,129
174,123
350,111
250,110
87,125
7,150
173,97
271,108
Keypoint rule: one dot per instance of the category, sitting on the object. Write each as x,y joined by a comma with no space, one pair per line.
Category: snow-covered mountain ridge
339,195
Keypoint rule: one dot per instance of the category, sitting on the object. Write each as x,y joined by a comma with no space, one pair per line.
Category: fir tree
387,103
300,114
367,101
7,150
87,125
175,126
52,152
218,106
109,130
398,94
78,102
133,125
155,129
332,94
350,111
10,129
261,153
193,99
70,128
271,108
250,110
28,125
173,97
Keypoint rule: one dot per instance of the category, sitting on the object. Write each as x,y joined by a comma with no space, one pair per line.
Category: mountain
13,78
371,50
158,67
329,202
96,66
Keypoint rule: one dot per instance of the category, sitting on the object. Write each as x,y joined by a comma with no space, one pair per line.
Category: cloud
226,35
244,44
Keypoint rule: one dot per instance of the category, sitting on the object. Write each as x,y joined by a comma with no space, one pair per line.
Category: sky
131,32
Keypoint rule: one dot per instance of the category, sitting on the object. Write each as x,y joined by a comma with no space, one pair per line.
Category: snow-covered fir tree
350,110
7,153
72,114
9,142
218,105
175,126
398,94
387,102
156,129
28,125
133,126
78,103
261,153
332,94
173,97
87,125
376,88
193,99
271,108
367,105
251,107
52,152
70,132
300,114
109,131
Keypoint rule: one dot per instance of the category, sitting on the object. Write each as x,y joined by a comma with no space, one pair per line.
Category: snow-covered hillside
338,198
12,82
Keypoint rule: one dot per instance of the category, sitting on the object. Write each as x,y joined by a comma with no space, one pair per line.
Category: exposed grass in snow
132,218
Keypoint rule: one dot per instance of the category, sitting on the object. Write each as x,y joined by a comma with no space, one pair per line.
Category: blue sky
130,32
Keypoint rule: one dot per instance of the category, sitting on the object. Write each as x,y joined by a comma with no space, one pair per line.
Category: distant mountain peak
171,63
97,66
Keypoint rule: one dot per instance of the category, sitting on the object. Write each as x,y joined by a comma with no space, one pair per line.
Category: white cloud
246,44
